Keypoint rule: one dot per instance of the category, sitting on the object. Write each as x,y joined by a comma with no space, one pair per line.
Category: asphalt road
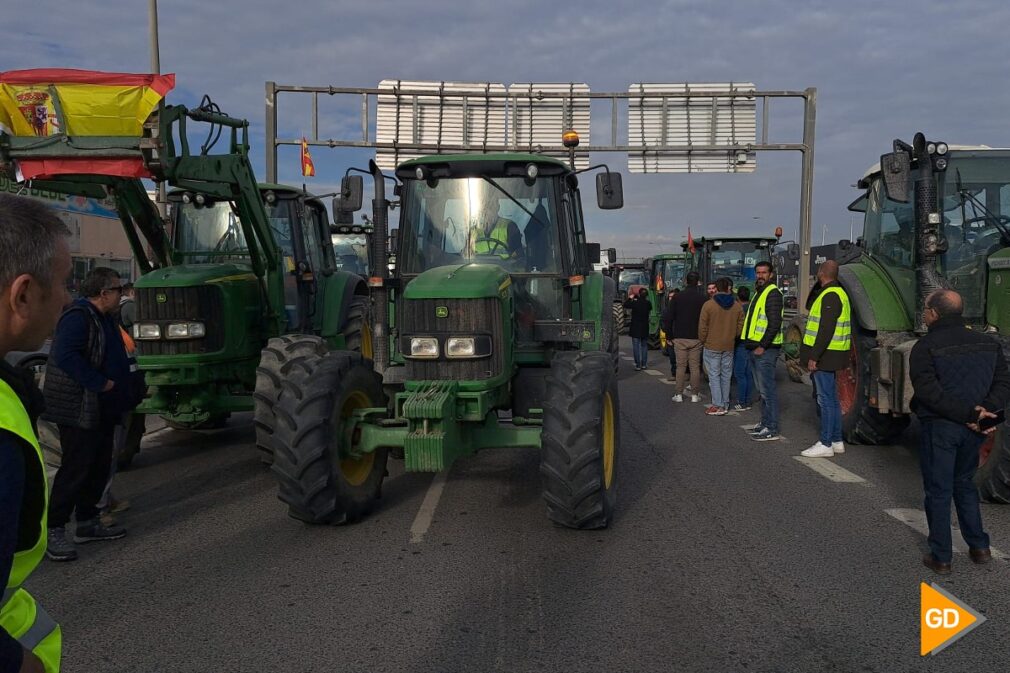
727,555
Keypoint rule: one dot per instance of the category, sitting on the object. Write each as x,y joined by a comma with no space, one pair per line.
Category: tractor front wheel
620,318
319,479
280,354
580,440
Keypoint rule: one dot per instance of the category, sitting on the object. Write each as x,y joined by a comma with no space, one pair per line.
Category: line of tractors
479,321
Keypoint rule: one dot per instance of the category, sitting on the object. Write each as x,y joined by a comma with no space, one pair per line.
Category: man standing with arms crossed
827,340
762,336
34,267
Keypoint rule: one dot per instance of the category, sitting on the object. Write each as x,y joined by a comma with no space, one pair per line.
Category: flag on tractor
308,169
690,241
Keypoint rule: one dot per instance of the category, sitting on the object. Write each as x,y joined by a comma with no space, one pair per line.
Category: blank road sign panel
655,123
537,121
455,114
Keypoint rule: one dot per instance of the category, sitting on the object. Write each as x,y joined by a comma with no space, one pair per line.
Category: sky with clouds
882,70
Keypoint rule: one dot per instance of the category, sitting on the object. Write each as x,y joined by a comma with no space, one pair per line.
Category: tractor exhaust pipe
380,293
929,242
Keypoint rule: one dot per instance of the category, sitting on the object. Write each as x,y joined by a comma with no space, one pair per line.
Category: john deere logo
161,297
441,311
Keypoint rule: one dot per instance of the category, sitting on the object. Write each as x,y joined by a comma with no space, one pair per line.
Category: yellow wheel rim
355,471
366,340
609,441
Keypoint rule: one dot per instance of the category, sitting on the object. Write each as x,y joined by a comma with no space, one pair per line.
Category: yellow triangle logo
943,619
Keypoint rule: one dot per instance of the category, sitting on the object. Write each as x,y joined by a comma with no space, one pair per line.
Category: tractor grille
466,317
202,303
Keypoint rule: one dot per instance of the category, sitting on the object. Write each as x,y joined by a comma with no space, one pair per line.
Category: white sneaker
818,450
678,398
696,398
838,447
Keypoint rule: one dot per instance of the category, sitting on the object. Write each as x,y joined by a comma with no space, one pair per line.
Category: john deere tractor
935,216
245,286
666,272
493,331
628,276
731,257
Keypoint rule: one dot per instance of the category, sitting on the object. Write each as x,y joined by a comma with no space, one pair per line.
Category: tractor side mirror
612,255
340,216
609,191
394,241
351,189
593,252
793,251
895,168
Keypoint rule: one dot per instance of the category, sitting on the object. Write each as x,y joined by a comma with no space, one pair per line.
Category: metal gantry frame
367,140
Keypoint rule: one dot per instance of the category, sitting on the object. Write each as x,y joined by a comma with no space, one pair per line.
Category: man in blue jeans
762,336
741,361
960,378
827,341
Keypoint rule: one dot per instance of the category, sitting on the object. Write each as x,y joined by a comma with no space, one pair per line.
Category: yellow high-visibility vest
483,246
841,340
756,324
20,615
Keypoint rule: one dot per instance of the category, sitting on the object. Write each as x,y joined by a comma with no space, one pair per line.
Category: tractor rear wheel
580,440
861,423
993,474
318,480
793,338
620,318
278,356
654,341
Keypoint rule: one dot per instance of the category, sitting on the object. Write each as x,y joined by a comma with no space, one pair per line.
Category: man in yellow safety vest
762,336
496,235
34,268
827,340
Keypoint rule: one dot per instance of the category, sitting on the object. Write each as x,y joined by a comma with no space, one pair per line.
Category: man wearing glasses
86,391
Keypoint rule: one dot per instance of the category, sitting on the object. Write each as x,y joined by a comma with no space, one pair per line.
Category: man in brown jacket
721,320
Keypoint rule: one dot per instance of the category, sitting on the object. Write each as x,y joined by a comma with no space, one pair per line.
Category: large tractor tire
793,338
654,341
280,354
580,440
993,474
317,483
861,423
357,328
620,318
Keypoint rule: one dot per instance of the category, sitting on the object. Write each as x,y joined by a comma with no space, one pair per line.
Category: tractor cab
731,257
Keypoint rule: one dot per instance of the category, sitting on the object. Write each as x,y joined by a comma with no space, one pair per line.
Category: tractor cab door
297,225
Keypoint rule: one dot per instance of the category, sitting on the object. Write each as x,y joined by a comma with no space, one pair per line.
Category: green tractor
732,257
666,272
492,331
244,288
628,277
934,216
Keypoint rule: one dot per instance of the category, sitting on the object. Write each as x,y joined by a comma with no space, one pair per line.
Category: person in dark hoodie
762,336
638,330
682,315
720,321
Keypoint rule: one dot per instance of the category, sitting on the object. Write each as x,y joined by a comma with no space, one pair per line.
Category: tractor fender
876,302
597,298
342,286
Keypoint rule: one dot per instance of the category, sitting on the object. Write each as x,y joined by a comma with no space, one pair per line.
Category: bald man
827,341
959,377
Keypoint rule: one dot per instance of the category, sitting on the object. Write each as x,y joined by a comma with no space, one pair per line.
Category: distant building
96,232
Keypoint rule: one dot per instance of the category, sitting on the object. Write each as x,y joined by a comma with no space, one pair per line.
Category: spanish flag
308,168
54,103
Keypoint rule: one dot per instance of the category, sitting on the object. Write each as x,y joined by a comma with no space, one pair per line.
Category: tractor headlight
146,330
186,330
460,347
424,347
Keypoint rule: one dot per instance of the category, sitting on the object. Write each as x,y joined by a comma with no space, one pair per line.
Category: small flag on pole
690,241
308,169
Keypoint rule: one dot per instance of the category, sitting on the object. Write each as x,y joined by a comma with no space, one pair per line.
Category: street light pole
152,23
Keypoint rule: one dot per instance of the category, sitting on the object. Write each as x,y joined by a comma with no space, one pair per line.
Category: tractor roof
954,149
472,165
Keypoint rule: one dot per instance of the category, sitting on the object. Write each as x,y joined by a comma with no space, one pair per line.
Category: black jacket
954,369
680,319
831,310
641,308
773,309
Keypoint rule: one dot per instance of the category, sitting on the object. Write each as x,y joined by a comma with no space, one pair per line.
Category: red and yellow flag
308,168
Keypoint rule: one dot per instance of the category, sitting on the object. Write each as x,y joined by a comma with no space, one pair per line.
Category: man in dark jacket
762,336
638,330
34,267
960,378
682,316
827,343
87,392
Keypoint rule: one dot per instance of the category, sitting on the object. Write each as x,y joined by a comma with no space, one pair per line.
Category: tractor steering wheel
1002,219
495,244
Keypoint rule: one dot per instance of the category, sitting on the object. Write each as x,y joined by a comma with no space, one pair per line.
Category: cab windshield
736,260
213,233
509,222
352,253
631,277
672,271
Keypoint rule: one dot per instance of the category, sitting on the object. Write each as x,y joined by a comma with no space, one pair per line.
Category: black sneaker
95,530
58,547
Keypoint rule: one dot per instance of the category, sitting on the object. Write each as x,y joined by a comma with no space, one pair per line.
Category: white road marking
424,515
832,471
668,382
916,520
627,357
653,372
